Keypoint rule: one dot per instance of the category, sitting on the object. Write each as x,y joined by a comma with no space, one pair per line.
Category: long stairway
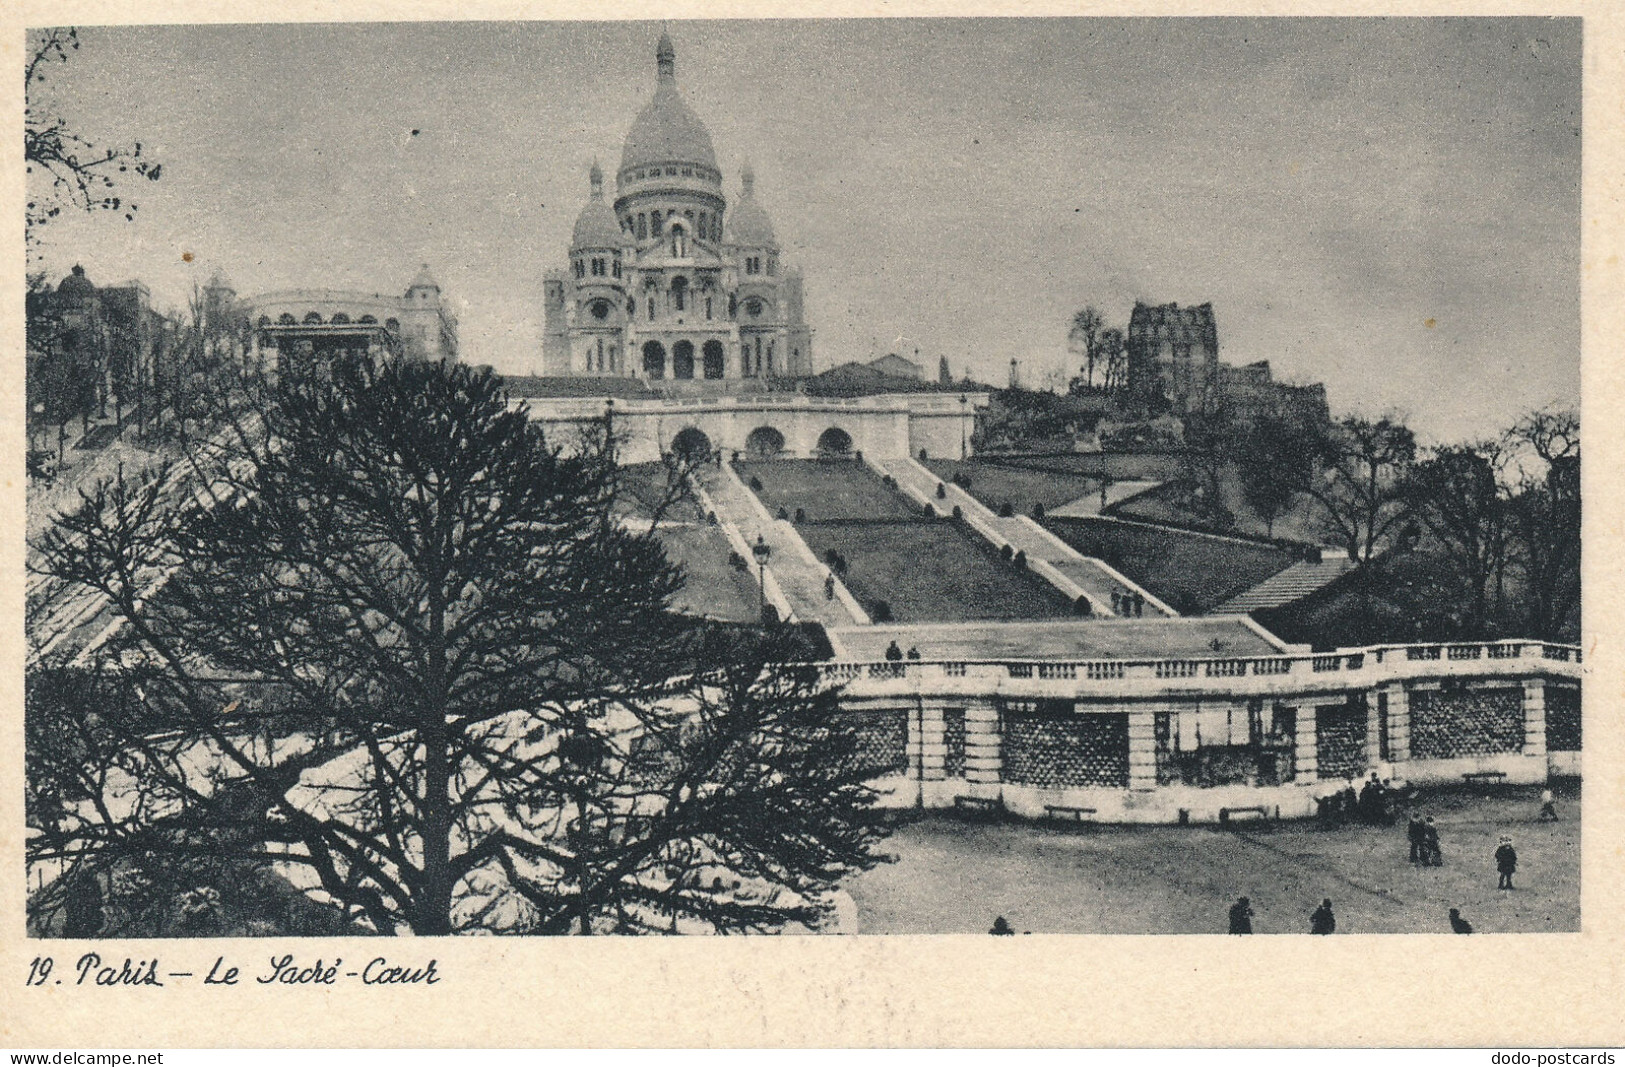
799,575
1047,555
1294,583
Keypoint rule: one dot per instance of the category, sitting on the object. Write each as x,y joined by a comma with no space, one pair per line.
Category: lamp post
761,551
961,427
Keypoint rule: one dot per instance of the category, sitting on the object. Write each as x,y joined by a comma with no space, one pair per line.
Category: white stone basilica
670,283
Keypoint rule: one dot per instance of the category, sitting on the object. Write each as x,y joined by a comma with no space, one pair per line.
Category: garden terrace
918,567
996,483
1194,572
1118,639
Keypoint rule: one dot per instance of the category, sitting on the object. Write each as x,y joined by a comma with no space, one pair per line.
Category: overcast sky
1389,206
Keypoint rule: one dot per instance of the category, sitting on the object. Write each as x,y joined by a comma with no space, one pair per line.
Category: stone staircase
1294,583
1052,559
793,571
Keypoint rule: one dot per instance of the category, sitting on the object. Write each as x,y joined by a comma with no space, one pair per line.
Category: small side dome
76,284
596,226
748,223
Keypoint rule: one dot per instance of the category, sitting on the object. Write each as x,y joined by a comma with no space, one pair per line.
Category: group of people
1424,839
1322,920
895,654
1128,603
1372,804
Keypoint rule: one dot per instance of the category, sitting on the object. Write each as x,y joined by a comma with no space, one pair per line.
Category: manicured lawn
954,877
1187,570
834,490
995,484
714,589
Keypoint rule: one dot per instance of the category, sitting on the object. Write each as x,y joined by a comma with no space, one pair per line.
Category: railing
1373,666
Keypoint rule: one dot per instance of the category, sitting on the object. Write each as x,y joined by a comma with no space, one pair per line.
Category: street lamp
961,427
761,551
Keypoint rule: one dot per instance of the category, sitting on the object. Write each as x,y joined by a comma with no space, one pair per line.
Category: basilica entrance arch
714,364
764,442
654,360
691,444
682,359
834,443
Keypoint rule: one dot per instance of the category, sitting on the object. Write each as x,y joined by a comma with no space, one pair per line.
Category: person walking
1506,862
1241,917
1323,921
829,587
1432,854
1417,836
1458,924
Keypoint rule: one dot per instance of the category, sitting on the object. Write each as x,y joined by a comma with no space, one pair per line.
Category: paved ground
955,877
1061,639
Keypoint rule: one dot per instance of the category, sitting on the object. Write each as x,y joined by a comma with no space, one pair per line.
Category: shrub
930,512
710,518
783,514
830,558
922,455
1038,511
756,483
1021,560
770,615
942,491
737,562
801,514
1006,553
858,455
1006,510
881,611
962,480
958,514
1082,608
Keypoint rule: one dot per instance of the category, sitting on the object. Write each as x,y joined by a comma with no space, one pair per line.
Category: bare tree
1114,357
1360,482
1544,509
400,648
1456,494
1084,338
71,171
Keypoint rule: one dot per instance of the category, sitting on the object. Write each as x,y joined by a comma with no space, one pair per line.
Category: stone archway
691,444
834,443
682,359
715,365
764,442
654,360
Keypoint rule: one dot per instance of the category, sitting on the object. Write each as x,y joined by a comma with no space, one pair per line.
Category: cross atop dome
665,59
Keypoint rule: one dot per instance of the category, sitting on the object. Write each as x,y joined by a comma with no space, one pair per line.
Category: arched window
581,270
708,309
679,291
654,224
600,309
631,305
704,231
733,306
312,318
643,226
654,360
651,310
617,266
682,360
713,359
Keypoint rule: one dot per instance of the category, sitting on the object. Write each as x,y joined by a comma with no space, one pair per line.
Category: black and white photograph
1001,477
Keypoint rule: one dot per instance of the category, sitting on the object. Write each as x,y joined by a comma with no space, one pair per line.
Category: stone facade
296,328
670,283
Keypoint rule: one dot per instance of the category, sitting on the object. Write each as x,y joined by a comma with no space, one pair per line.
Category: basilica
671,282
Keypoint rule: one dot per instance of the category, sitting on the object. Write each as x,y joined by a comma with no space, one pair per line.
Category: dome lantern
667,131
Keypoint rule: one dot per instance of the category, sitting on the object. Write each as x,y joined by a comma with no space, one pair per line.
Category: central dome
667,130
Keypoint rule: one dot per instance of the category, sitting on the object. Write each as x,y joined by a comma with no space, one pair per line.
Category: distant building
894,366
297,326
1174,352
1249,393
670,282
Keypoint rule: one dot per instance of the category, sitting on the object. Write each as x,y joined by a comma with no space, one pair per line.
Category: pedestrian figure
1001,928
1417,835
913,653
829,587
1323,921
1432,854
1117,603
893,653
1241,917
1548,806
1458,924
1506,862
1139,604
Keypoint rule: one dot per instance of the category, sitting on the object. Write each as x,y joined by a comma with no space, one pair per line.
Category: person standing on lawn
1323,921
1432,854
1548,806
1241,917
1506,862
1417,835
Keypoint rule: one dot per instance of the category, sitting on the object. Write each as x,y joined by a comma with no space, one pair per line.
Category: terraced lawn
714,588
923,570
995,484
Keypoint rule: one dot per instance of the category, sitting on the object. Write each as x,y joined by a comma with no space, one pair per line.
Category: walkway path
1088,505
792,567
1047,555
